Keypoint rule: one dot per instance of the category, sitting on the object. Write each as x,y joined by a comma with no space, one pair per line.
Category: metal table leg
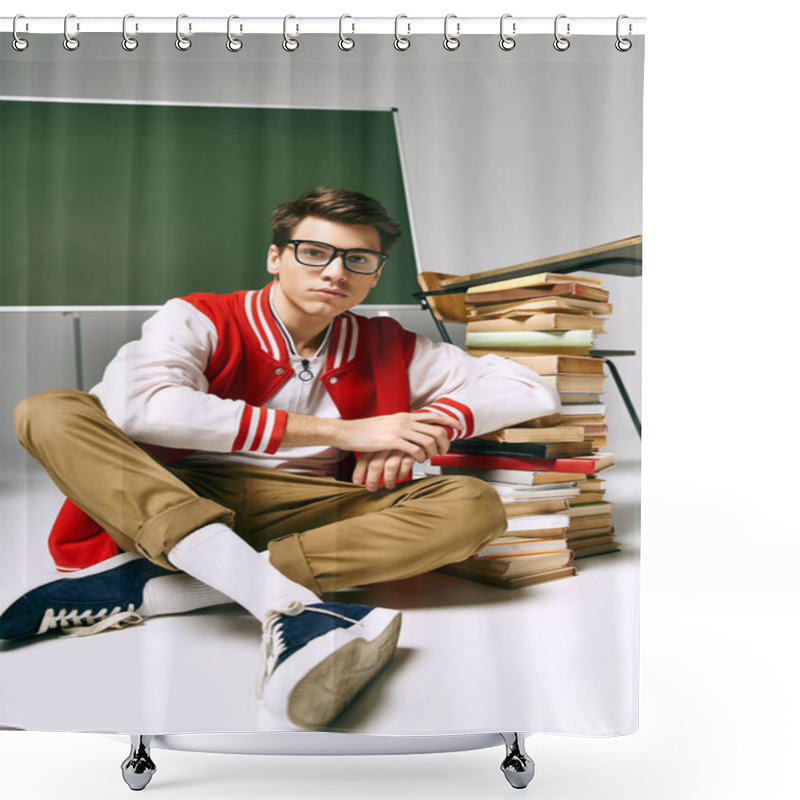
625,397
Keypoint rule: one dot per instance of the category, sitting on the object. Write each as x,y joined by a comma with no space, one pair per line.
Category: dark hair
336,205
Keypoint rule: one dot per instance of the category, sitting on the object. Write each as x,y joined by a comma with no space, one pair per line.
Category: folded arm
481,394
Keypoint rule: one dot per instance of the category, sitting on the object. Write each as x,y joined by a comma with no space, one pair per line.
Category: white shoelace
88,622
272,643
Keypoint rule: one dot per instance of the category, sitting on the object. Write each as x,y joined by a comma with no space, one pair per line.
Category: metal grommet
19,44
451,42
507,42
345,42
233,44
129,43
401,42
181,42
70,42
623,45
561,43
290,44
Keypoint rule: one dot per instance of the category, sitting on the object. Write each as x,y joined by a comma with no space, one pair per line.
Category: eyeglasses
320,254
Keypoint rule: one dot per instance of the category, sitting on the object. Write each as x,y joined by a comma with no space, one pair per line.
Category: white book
511,492
509,489
520,477
538,522
582,409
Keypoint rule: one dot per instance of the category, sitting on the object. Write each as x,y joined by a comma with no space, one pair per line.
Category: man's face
323,291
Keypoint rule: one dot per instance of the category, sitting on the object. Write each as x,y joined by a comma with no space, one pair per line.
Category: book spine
531,339
582,465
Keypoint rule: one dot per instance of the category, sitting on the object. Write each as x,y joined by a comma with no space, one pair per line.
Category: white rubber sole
313,686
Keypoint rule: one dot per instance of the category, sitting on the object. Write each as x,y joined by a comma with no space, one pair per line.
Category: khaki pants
322,533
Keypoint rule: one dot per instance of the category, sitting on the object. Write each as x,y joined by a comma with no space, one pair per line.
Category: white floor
557,657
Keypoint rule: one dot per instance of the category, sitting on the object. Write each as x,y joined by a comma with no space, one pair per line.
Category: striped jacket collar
266,328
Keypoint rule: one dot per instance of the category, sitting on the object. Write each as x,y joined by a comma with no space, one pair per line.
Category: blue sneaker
317,658
104,596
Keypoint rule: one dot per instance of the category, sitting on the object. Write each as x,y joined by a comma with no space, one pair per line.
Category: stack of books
547,322
546,313
534,548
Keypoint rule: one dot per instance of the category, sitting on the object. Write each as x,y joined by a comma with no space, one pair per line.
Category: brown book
538,322
595,429
479,294
589,523
576,536
584,498
586,419
577,383
522,564
510,566
588,510
556,433
562,364
596,547
541,577
564,305
537,279
512,582
591,484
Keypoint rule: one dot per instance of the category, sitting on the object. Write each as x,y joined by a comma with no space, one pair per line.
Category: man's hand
419,436
391,465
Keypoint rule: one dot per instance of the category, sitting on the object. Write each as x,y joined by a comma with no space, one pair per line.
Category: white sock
215,555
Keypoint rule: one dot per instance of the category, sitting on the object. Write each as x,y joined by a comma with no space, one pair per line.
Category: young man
254,401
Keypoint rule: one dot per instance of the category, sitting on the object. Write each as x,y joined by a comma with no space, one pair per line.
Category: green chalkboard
109,204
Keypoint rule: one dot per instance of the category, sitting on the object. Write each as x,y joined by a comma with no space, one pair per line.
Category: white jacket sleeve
156,391
484,393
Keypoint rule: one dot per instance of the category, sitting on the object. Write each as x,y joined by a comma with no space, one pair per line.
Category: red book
587,465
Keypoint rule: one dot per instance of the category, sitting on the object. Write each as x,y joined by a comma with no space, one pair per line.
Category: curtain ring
623,45
289,43
181,42
70,42
345,42
451,42
507,42
19,44
401,42
129,43
233,44
561,43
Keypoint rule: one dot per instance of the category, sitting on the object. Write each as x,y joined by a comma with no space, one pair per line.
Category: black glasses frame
336,251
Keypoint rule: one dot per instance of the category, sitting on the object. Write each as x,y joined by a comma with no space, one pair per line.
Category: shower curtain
132,175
